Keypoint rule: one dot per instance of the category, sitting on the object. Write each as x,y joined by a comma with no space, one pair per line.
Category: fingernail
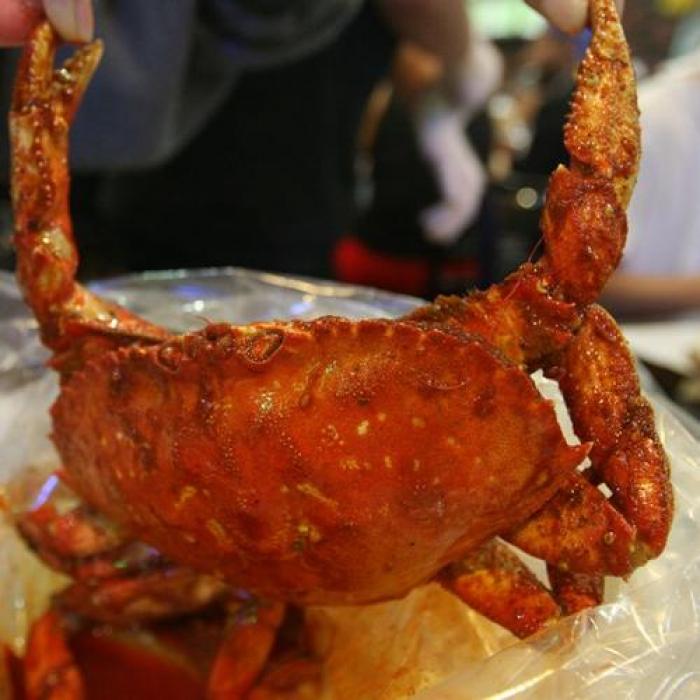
72,18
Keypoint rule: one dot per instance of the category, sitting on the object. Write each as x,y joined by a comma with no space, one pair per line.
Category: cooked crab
344,462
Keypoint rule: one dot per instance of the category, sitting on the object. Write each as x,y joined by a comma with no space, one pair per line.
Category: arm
439,27
445,76
629,293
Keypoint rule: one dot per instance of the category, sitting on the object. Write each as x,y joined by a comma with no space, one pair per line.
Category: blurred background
338,161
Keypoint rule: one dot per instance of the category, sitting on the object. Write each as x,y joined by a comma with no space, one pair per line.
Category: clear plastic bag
643,643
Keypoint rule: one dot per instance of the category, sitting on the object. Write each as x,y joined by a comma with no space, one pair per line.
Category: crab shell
327,462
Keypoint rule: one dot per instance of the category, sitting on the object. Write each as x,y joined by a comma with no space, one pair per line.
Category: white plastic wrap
643,643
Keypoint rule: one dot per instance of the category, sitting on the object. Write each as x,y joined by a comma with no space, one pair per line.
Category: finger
568,15
17,17
73,19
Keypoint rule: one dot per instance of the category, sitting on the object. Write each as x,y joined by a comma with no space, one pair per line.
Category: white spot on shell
217,529
313,491
187,492
309,532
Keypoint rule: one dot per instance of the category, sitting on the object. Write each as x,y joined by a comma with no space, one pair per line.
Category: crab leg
67,541
114,580
579,529
244,653
166,592
597,377
50,671
496,583
295,676
43,106
584,222
575,592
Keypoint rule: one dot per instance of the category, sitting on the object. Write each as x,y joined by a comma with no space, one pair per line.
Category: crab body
322,462
338,461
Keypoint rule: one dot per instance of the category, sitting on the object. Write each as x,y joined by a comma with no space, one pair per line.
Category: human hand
459,174
73,19
568,15
440,117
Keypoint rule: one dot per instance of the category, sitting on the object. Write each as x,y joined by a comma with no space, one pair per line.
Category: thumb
73,19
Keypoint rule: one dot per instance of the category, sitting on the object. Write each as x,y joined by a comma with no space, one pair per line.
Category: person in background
227,127
660,269
422,227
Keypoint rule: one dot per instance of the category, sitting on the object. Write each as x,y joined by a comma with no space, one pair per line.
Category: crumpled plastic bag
644,642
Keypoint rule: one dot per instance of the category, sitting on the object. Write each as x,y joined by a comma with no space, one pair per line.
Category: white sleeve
667,196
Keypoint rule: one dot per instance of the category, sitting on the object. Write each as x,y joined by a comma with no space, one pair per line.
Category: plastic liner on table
644,642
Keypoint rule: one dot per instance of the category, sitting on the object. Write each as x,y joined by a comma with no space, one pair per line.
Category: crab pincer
74,323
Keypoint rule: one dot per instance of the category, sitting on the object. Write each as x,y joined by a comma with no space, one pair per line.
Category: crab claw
74,323
43,105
